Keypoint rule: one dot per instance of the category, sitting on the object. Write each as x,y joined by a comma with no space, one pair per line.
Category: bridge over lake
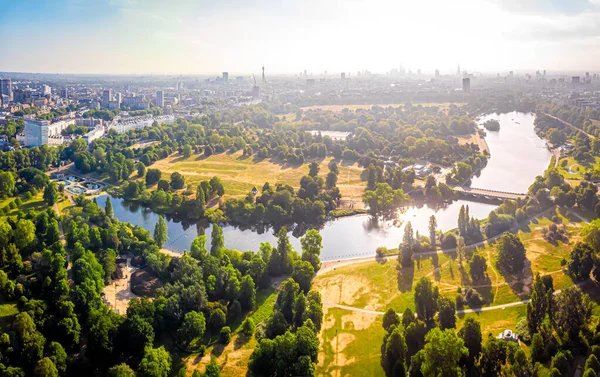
472,191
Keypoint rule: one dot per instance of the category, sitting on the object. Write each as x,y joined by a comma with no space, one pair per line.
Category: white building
94,134
122,125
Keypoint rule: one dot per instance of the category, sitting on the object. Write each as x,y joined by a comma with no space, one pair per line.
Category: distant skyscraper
119,98
6,89
343,75
466,85
437,73
180,86
106,97
264,80
256,91
226,76
46,90
64,93
458,70
575,80
160,98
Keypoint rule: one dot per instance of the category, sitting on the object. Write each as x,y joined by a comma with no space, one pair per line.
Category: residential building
125,124
45,132
106,97
46,90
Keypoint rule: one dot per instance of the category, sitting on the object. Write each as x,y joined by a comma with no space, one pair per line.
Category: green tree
45,368
57,354
539,306
442,353
447,313
212,370
280,262
137,334
7,184
477,266
287,298
121,370
108,208
573,313
407,246
217,240
426,299
581,261
313,169
471,336
152,176
161,232
394,353
156,363
511,253
311,248
50,194
198,248
302,274
390,318
247,293
432,230
193,327
248,327
141,169
177,181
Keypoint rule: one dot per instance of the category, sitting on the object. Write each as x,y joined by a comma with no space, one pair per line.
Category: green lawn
239,174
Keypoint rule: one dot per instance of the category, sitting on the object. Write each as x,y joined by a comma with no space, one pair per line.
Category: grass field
351,340
240,174
338,108
575,169
233,358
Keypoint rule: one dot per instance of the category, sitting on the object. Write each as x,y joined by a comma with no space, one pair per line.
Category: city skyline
150,37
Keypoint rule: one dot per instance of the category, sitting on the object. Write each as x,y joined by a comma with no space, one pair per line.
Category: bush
381,251
225,335
522,331
449,241
460,302
592,363
560,362
248,327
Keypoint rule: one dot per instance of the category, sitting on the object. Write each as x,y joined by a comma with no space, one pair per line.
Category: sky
290,36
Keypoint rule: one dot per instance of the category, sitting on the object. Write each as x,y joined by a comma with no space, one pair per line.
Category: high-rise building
46,90
106,97
118,98
343,75
437,73
225,76
466,85
180,86
575,80
6,89
64,93
160,98
256,91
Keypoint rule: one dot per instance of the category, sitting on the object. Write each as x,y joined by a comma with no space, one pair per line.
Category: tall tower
264,80
458,70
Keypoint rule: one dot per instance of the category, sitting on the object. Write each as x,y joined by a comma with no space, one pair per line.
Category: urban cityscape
271,189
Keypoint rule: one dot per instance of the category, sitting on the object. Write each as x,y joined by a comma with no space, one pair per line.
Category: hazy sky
239,36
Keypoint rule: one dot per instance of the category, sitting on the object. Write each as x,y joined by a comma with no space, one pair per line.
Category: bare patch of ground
118,294
358,321
342,289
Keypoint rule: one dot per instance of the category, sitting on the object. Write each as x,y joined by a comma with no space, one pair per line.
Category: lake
346,237
357,236
518,155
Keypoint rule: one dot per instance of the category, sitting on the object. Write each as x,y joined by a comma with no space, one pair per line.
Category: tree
57,354
225,335
287,298
121,370
432,229
217,240
477,267
187,150
390,318
248,327
383,200
592,363
193,326
331,180
313,169
441,354
581,261
539,306
573,312
137,334
156,363
177,181
511,253
447,313
198,248
407,246
45,368
216,321
208,151
538,349
108,208
314,309
471,336
7,184
302,274
311,248
212,370
460,250
50,194
426,299
216,186
394,353
161,232
141,169
152,176
280,262
247,293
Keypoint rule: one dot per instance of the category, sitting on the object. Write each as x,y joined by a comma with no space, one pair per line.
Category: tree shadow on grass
347,162
484,288
240,341
405,278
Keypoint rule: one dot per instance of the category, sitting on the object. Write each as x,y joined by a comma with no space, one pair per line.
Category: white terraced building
122,125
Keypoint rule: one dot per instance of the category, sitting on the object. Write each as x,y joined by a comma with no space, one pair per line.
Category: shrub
449,241
248,327
522,330
381,251
225,335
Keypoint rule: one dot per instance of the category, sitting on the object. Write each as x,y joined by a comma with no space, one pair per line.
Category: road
570,125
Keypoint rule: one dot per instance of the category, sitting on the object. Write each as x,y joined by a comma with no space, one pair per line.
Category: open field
351,339
233,358
338,108
239,174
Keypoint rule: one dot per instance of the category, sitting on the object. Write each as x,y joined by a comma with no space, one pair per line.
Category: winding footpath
332,265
